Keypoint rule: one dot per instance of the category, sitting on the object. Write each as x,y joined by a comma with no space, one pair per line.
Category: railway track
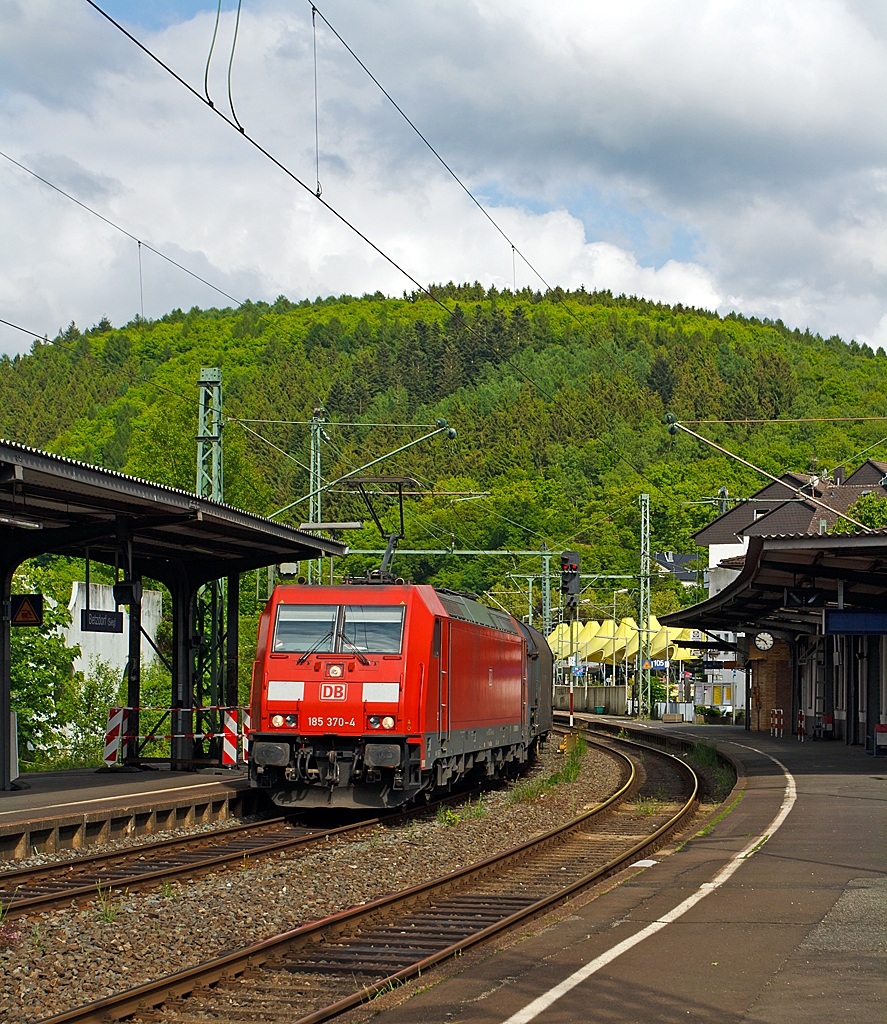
321,969
25,890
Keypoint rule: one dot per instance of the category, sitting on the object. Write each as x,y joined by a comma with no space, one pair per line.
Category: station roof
756,599
50,504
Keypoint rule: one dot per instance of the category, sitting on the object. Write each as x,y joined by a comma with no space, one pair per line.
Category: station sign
849,622
26,610
94,621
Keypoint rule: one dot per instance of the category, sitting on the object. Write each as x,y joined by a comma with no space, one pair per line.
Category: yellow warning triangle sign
25,614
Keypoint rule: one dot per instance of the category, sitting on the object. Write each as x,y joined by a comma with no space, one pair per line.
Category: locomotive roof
456,606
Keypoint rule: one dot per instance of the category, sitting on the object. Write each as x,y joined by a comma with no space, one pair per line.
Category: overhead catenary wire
445,165
341,217
141,285
319,191
122,230
270,156
797,490
802,419
24,330
864,451
231,65
261,437
209,56
337,423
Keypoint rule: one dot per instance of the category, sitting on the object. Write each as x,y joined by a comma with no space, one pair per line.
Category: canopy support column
6,737
182,749
232,641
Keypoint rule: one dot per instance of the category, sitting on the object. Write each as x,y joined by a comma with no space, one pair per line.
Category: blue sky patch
652,237
158,14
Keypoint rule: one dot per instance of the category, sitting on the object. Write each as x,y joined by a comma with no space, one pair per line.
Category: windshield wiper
317,643
364,660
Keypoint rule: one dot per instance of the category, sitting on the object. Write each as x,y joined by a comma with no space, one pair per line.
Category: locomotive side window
372,628
305,627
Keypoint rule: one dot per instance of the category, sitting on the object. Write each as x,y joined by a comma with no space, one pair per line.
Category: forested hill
558,402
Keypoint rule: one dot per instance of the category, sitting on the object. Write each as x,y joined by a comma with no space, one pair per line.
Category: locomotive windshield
372,628
329,628
305,627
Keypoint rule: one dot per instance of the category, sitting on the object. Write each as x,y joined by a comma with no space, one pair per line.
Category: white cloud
755,129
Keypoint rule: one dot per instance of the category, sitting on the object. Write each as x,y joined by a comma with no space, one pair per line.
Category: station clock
764,641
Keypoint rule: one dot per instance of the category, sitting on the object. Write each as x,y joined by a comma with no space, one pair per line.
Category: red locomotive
373,695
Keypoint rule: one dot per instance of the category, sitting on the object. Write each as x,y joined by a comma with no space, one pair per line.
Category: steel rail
11,881
147,997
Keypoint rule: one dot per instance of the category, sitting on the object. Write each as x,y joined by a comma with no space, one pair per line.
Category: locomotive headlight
388,722
292,721
277,720
374,721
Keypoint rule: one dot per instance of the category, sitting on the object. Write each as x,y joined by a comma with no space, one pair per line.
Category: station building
782,509
812,611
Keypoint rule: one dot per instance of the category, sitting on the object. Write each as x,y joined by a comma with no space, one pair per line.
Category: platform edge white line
543,1002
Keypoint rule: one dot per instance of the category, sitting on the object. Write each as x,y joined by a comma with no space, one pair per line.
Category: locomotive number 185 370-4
330,723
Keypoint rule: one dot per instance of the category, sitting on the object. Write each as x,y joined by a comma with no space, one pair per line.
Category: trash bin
599,710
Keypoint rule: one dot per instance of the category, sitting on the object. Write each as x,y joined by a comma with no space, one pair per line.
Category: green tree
41,668
870,510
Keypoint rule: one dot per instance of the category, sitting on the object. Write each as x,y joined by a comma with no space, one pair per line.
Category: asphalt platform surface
797,934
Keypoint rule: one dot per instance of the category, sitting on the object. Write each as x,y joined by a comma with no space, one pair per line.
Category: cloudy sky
729,154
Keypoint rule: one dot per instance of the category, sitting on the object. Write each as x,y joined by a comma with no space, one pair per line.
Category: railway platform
78,808
772,913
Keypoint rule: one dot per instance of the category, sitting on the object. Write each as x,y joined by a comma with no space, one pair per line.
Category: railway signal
570,583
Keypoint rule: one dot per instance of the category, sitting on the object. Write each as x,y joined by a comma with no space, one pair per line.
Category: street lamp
622,590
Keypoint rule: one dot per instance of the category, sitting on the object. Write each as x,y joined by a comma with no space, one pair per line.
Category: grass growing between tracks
471,809
8,933
719,778
526,792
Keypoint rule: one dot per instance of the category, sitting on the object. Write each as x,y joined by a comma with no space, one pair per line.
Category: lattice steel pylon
315,513
209,682
643,673
547,624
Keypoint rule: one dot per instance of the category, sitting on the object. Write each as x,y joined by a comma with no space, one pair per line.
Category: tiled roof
729,526
870,472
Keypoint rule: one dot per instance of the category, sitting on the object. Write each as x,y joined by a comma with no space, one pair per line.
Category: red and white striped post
247,725
118,719
229,736
777,722
802,729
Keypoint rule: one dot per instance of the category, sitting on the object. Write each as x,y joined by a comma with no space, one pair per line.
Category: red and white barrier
777,722
116,733
118,719
802,725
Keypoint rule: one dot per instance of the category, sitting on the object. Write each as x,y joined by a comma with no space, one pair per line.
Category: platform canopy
788,583
52,504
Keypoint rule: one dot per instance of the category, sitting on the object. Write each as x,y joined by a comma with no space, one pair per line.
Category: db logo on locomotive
333,691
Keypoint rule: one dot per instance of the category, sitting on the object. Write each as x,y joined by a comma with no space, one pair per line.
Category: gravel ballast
57,960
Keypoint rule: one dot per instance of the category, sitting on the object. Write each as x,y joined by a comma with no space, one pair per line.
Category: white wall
718,579
110,647
718,552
